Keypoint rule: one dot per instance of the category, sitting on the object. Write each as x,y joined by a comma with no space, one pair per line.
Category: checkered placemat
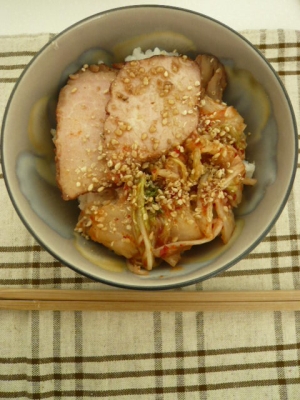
160,355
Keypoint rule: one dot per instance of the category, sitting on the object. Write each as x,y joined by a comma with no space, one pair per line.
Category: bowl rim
162,286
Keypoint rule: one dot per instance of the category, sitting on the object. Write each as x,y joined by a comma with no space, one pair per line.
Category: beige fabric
168,355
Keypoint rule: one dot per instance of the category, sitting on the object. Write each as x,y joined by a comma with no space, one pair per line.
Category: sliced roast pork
153,107
80,119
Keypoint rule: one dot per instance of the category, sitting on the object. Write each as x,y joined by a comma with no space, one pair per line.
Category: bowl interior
272,145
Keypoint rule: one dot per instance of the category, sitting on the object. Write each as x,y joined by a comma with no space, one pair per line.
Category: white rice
138,54
250,168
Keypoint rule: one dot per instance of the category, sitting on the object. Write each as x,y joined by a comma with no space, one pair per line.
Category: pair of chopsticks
119,300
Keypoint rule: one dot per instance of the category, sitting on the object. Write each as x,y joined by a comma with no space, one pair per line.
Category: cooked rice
138,54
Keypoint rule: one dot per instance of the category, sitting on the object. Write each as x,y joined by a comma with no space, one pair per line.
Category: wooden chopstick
122,300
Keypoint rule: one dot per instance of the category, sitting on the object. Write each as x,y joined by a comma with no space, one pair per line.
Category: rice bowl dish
153,154
180,181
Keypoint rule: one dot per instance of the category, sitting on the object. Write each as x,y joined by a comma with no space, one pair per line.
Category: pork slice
153,107
80,120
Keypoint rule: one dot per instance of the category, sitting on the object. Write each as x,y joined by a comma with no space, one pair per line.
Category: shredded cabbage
142,223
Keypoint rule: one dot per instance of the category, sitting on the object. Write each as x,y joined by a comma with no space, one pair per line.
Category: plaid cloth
160,355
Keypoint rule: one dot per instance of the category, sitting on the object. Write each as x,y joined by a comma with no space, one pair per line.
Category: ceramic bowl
28,158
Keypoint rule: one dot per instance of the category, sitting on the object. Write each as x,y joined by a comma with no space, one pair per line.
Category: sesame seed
165,121
152,129
91,187
144,136
118,132
127,177
122,126
145,216
184,112
189,87
74,90
197,83
78,184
